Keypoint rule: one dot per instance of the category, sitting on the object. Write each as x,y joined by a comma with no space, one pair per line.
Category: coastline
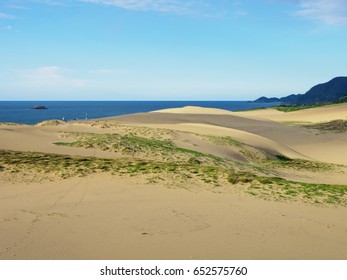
19,111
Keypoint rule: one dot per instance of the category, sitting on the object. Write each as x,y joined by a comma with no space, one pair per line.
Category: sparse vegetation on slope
338,126
140,147
191,172
299,164
292,108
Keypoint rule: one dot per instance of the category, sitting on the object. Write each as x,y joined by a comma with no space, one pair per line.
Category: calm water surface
20,112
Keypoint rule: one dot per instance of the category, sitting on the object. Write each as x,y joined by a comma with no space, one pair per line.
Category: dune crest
311,115
194,110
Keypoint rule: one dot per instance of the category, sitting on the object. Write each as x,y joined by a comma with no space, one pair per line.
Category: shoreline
20,112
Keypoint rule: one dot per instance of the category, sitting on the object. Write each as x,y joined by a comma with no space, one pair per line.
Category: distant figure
86,116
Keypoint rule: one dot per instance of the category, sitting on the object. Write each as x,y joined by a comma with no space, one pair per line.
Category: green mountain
333,91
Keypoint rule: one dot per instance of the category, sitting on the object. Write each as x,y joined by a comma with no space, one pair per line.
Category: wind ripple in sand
166,223
70,194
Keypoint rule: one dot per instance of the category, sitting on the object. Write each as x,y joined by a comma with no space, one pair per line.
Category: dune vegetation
157,158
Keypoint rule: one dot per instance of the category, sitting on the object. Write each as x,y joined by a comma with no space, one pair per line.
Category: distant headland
333,91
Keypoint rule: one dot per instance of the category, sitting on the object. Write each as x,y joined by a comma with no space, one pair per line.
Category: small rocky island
39,107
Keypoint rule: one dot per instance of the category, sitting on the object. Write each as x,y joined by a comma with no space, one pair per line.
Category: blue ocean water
21,112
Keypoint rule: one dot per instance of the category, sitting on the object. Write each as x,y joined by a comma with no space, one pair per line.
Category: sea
21,112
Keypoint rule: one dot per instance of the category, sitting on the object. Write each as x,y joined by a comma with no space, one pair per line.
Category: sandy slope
318,114
327,147
109,217
251,139
102,217
195,110
42,139
314,115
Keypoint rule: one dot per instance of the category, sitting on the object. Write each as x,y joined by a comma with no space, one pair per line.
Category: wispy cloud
46,73
53,2
327,11
180,7
48,76
331,12
6,16
165,6
8,27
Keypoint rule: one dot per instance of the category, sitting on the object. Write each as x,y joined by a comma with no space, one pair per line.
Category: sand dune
313,115
186,183
102,217
42,139
250,139
194,110
326,147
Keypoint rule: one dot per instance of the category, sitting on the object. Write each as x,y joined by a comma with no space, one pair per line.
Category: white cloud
331,12
166,6
6,16
181,7
8,27
52,2
47,73
50,76
327,11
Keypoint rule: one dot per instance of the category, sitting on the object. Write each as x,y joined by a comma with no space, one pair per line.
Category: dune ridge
159,184
194,110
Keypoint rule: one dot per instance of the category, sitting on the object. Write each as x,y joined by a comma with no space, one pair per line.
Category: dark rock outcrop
39,107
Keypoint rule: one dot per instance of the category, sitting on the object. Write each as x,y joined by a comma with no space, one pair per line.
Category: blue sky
168,49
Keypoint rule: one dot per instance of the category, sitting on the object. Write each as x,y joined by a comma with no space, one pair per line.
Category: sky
169,49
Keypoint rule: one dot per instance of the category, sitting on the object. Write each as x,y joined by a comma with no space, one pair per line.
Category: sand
194,110
101,217
326,147
162,216
313,115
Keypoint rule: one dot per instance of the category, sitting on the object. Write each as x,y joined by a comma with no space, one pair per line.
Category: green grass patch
283,189
135,145
281,161
273,188
224,140
292,108
339,126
